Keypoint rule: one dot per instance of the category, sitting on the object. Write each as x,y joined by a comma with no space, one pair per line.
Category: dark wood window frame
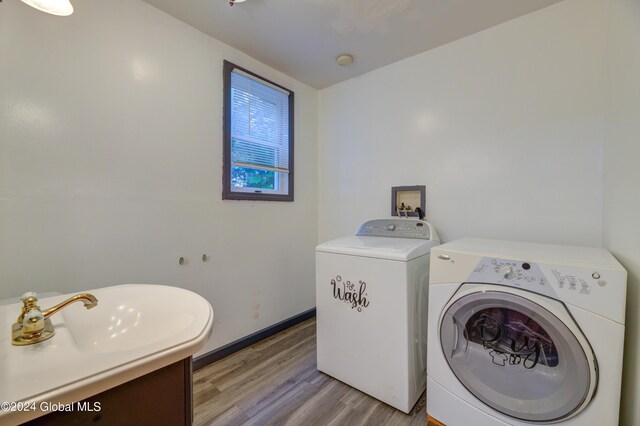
227,193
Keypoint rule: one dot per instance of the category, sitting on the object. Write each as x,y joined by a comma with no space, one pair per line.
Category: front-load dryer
371,299
523,334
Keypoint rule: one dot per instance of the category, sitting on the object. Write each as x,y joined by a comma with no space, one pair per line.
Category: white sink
135,329
130,317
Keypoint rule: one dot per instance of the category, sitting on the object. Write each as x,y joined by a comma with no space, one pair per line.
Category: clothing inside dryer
511,337
515,355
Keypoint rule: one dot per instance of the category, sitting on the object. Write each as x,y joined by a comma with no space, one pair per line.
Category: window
258,138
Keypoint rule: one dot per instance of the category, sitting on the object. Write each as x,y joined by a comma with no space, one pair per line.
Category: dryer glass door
516,356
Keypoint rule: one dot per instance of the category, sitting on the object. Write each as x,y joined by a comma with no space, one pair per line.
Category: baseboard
233,347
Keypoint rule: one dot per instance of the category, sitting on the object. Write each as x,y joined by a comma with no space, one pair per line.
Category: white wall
621,180
503,127
111,167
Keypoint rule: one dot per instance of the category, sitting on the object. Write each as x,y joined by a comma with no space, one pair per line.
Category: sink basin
130,317
135,329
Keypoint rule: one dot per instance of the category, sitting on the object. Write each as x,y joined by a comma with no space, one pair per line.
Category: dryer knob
508,272
391,227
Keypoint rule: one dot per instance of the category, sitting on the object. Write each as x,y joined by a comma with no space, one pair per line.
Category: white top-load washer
523,334
371,298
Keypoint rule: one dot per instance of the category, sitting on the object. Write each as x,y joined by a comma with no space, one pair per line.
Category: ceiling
302,38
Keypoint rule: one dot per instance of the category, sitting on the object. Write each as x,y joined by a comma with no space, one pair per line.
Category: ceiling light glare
53,7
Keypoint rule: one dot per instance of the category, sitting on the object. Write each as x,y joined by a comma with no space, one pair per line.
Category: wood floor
275,382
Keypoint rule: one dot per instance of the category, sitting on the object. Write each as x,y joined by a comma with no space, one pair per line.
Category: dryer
523,334
371,301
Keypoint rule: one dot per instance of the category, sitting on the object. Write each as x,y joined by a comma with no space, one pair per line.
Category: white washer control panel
398,228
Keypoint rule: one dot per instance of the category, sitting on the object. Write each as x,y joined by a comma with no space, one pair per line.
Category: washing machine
371,301
523,334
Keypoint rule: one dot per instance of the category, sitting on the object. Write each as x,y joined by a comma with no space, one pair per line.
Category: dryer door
518,352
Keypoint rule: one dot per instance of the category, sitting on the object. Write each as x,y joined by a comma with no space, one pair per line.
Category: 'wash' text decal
348,293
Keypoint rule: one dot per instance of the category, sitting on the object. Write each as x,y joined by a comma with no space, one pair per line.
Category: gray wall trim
233,347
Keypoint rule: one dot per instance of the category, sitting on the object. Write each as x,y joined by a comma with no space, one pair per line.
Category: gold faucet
89,301
33,324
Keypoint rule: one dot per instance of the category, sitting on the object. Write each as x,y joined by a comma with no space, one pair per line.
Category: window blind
259,124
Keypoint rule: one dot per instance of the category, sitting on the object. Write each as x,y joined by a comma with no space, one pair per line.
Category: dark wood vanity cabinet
162,397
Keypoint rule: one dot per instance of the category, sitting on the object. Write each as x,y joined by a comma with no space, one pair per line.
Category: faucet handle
29,302
32,323
29,294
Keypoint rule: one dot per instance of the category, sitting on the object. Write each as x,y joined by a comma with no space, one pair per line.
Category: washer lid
401,249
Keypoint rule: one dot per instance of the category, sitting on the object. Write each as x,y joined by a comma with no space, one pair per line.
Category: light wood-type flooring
275,382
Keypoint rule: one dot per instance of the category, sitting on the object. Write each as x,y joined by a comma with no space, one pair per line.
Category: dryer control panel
505,270
599,290
589,278
398,228
530,276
